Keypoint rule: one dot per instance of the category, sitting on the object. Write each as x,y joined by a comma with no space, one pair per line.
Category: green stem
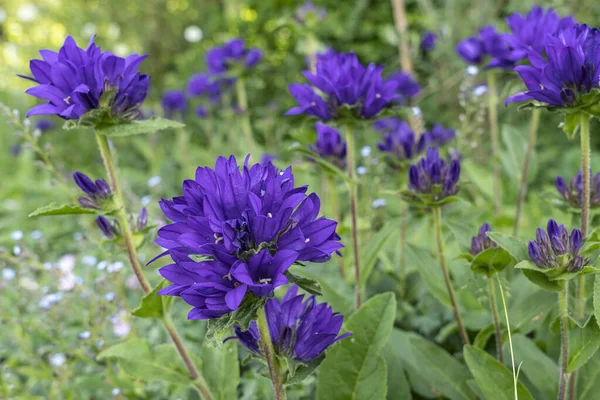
311,51
585,206
437,222
498,332
533,127
242,101
512,354
333,200
127,235
564,341
493,119
351,165
266,344
402,261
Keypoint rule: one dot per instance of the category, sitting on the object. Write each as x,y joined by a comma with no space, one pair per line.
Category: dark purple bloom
572,68
407,86
495,45
96,192
267,158
387,125
573,193
471,50
401,142
109,229
201,112
220,59
299,329
345,83
428,41
74,80
439,136
44,124
201,85
309,13
482,241
173,102
433,176
555,248
330,145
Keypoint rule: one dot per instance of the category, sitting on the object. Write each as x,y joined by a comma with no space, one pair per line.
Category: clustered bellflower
247,225
203,85
407,87
400,140
330,145
570,70
300,329
555,248
341,81
439,136
573,193
97,192
482,242
428,41
433,176
220,59
309,13
173,102
489,44
75,81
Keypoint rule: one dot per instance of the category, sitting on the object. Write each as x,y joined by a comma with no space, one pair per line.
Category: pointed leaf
153,305
221,370
514,246
246,312
583,344
146,126
60,209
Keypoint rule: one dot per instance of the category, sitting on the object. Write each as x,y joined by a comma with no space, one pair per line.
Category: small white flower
16,250
146,200
116,391
110,296
361,170
89,260
153,181
66,283
377,203
84,335
480,90
8,274
114,267
16,235
416,111
472,70
57,360
66,263
102,265
27,13
193,34
365,151
36,235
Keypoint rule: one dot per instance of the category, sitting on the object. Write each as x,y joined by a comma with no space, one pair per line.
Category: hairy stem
351,164
268,350
242,102
533,127
127,235
498,332
564,342
437,222
493,119
584,127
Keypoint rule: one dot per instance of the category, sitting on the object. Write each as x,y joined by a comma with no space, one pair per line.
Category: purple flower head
44,124
344,83
242,219
529,32
173,102
267,158
201,112
96,192
201,85
555,248
387,125
407,86
401,142
432,175
300,329
439,136
220,59
308,13
75,81
489,43
471,50
571,68
110,230
573,193
330,145
482,241
428,41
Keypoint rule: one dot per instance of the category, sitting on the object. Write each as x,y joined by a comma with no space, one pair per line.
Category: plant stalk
351,165
533,127
584,132
437,222
564,342
493,119
402,261
242,102
512,354
268,350
498,332
109,164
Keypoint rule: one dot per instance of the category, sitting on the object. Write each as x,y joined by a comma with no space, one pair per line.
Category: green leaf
588,382
298,371
60,209
430,272
372,248
596,298
139,361
535,365
221,370
154,305
445,374
513,245
398,386
354,368
583,344
483,336
492,260
311,286
151,125
540,279
493,378
246,312
321,162
539,305
570,125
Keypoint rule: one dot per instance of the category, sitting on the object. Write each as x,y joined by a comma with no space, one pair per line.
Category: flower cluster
221,59
96,192
571,70
75,81
573,193
299,329
330,145
344,83
108,228
400,140
554,248
428,41
173,102
433,176
248,227
407,86
203,85
439,136
482,242
489,43
308,13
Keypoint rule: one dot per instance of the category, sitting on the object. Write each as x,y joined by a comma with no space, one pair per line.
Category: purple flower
73,81
309,13
573,193
345,84
204,85
572,68
300,329
433,176
330,145
471,50
387,125
220,59
267,158
407,86
428,41
96,192
482,242
439,136
173,102
201,112
489,43
44,124
401,142
110,230
554,248
142,219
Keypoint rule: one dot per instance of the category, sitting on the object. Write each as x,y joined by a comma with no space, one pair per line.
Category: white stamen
307,240
228,277
269,215
313,104
265,280
217,238
377,96
67,100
